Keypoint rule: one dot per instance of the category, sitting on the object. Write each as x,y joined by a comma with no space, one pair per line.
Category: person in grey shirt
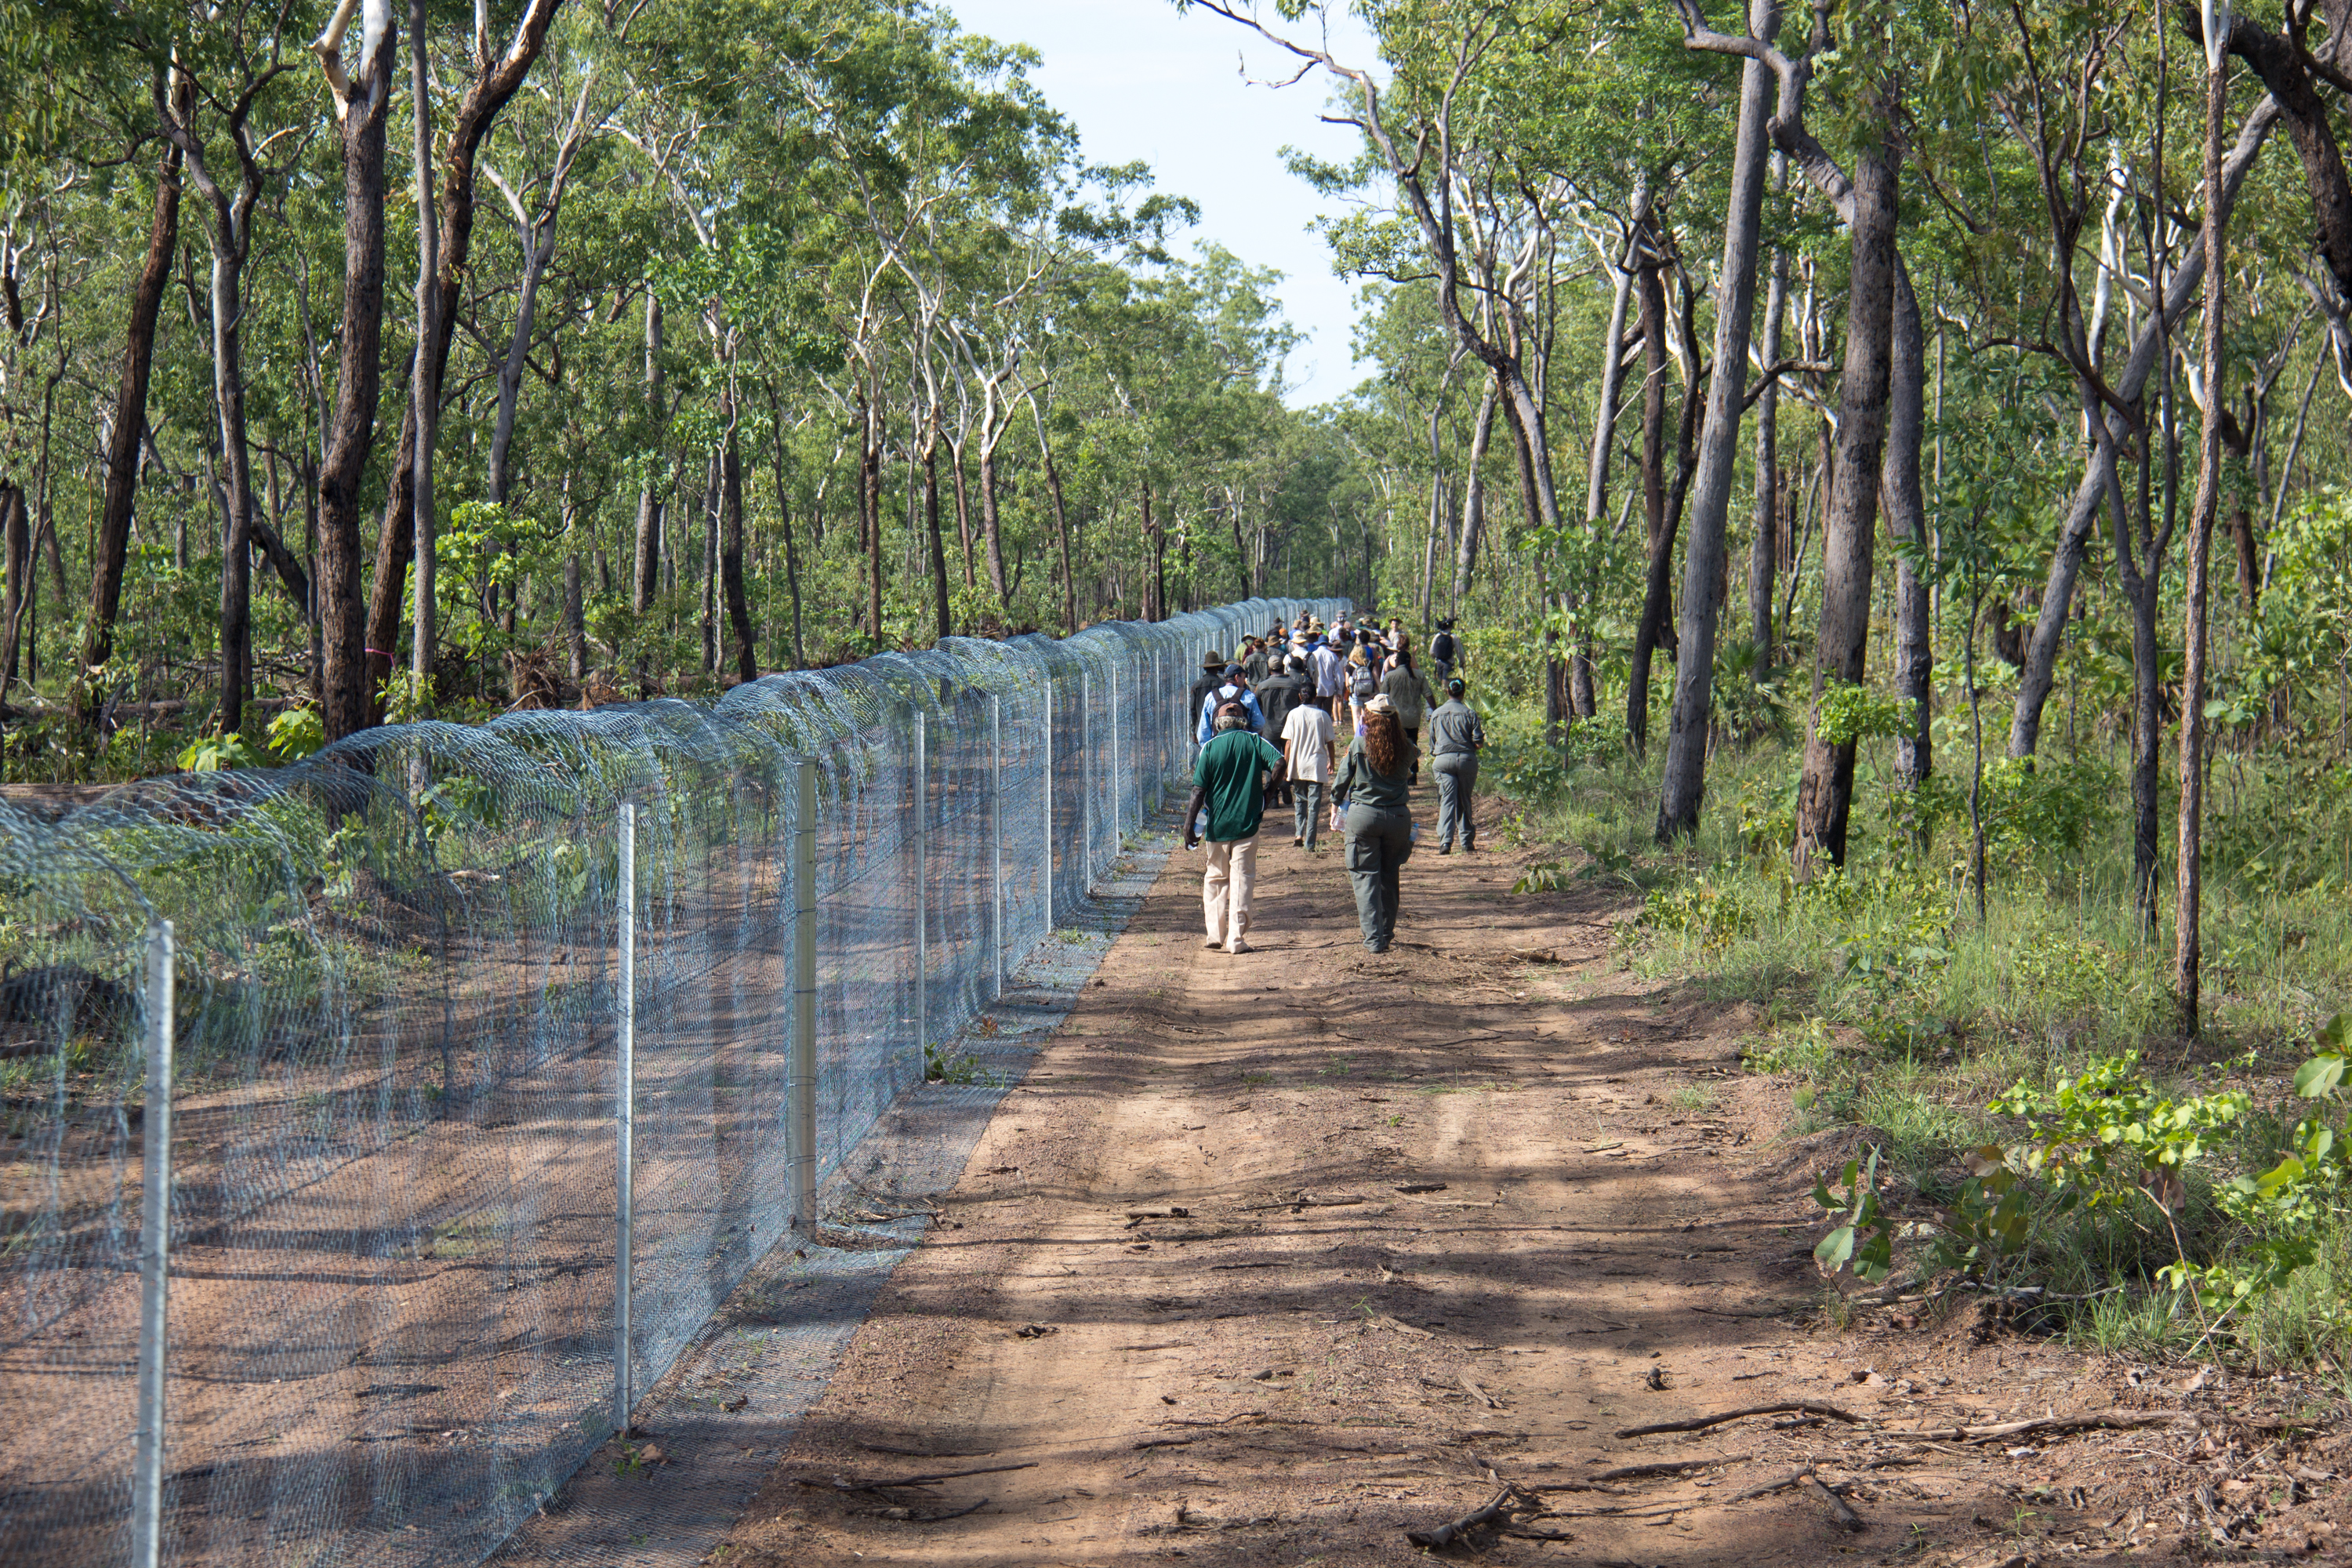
1455,737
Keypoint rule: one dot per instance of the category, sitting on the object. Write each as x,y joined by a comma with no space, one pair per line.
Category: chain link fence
374,1131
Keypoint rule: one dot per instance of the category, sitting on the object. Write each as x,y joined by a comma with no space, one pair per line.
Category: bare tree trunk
1765,556
1906,522
870,490
576,620
1704,562
2036,679
932,523
130,416
425,388
1649,265
706,589
646,579
494,86
991,525
1474,492
346,706
1826,791
784,511
16,546
963,513
2188,936
731,554
1062,518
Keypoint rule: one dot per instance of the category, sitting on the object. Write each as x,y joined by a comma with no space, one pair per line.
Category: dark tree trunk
963,515
346,705
870,501
575,621
1649,268
1825,790
129,422
784,514
991,525
730,554
16,546
646,579
932,523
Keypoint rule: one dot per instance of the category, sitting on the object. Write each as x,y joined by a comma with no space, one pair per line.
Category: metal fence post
1087,780
625,1098
922,801
1117,755
996,837
155,1256
801,1087
1049,800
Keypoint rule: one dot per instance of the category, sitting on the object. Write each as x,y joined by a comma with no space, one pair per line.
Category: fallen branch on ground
939,1518
1839,1509
1498,1511
2095,1420
1768,1488
890,1483
1667,1468
1701,1422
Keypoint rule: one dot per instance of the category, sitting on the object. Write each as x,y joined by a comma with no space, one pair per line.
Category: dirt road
1274,1258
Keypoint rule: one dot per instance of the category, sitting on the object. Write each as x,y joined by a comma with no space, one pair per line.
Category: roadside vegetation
2030,1121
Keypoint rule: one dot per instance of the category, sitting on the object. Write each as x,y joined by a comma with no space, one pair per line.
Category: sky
1140,80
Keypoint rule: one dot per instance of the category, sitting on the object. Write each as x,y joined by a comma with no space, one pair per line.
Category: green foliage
1846,714
1863,1239
210,753
297,734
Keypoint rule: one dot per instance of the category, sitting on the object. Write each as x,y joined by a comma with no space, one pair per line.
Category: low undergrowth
2021,1073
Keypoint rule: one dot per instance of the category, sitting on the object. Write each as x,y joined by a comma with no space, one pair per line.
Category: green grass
1883,1000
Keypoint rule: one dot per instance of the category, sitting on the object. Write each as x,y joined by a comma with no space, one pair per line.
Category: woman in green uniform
1372,785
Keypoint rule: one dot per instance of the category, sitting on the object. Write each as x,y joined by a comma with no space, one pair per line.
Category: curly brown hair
1384,742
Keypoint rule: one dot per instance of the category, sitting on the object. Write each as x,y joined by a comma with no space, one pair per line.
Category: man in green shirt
1229,782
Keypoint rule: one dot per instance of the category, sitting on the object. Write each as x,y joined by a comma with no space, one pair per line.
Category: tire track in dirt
1273,1257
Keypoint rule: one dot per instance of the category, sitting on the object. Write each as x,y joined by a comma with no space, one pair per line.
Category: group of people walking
1268,723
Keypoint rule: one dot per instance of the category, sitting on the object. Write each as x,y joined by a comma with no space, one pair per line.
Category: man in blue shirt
1229,782
1232,689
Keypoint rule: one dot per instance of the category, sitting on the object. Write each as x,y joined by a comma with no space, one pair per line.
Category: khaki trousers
1225,888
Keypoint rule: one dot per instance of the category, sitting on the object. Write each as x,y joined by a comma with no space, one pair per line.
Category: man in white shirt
1306,756
1327,662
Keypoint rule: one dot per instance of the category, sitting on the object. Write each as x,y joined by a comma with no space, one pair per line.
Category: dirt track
1273,1258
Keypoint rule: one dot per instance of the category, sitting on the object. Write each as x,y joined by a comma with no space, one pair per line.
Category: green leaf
2321,1075
1834,1248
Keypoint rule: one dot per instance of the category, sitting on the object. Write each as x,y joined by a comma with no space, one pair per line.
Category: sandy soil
1273,1258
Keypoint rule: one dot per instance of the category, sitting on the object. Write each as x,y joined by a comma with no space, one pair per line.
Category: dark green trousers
1379,844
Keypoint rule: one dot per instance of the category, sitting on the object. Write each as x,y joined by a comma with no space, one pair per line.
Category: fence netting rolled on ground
393,1056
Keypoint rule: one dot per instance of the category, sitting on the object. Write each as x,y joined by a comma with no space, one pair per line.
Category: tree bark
731,552
130,418
646,579
2187,957
575,621
1907,523
1061,518
1649,265
784,511
494,86
346,706
932,523
16,547
1764,558
870,501
1825,790
1473,491
1704,562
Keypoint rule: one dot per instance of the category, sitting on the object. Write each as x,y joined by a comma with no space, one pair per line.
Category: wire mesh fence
471,1068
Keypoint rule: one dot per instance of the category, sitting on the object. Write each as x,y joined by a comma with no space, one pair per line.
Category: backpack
1443,649
1363,685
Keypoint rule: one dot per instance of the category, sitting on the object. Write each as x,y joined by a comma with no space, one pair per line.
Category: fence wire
392,1112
